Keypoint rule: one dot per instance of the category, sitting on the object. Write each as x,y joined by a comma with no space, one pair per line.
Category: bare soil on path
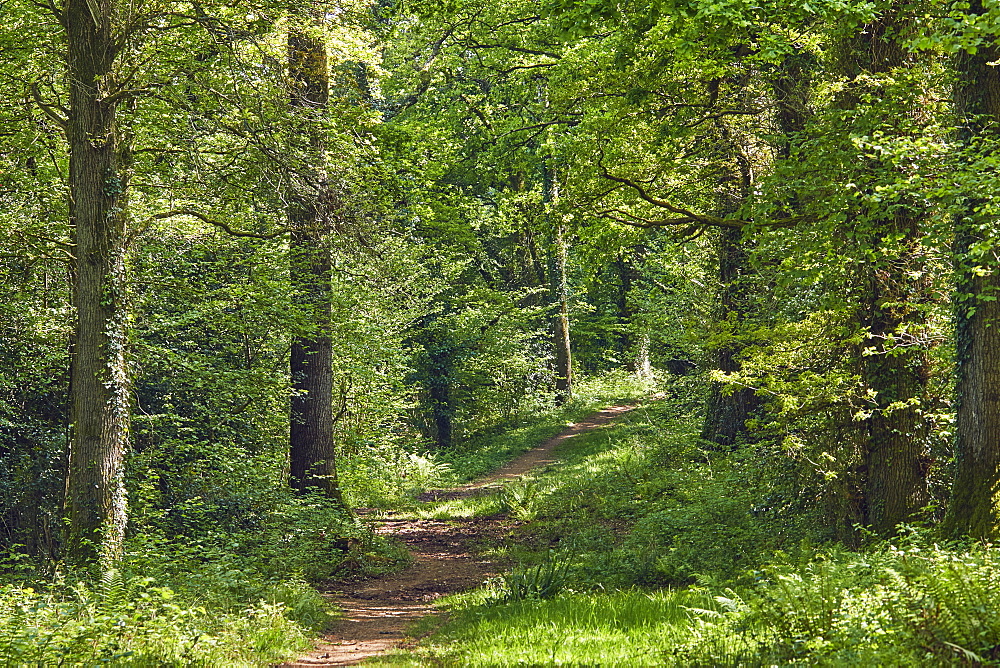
377,612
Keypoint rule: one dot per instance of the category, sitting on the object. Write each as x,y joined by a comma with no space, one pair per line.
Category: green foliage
130,621
459,136
389,475
640,504
643,505
491,448
620,628
910,603
542,581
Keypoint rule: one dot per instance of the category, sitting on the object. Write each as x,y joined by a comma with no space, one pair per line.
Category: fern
957,596
542,581
113,589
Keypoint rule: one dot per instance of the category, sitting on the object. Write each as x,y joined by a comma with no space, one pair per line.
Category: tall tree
558,289
98,189
891,284
310,211
974,508
727,411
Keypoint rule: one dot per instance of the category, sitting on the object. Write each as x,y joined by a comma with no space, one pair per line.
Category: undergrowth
220,597
488,450
130,621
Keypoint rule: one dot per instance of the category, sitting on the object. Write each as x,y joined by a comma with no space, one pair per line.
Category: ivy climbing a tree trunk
892,284
313,462
974,507
727,412
98,185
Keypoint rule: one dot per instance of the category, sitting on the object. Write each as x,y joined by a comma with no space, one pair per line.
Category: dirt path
378,612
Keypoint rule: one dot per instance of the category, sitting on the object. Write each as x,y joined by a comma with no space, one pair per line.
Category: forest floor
446,560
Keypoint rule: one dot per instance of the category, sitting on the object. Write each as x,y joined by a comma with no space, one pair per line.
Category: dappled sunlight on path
377,612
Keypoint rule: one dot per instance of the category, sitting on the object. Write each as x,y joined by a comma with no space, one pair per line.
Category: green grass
621,628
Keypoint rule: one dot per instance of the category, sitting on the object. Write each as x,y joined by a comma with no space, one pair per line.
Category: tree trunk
441,356
726,414
895,458
974,509
558,286
634,340
313,462
98,182
560,320
895,370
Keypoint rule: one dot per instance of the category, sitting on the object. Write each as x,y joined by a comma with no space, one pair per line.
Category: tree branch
217,223
50,109
518,49
686,217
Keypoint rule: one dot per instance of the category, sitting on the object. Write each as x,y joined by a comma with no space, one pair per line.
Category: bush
909,603
129,621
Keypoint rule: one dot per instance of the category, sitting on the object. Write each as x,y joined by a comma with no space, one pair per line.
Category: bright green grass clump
622,628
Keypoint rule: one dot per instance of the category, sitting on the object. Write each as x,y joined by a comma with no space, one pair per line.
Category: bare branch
50,110
217,223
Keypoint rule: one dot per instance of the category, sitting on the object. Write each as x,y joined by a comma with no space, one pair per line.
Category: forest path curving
377,612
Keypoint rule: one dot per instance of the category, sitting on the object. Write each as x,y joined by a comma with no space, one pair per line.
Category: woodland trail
378,611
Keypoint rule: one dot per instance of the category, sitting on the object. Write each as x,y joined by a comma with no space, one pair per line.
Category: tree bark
558,285
726,415
313,461
560,320
974,508
441,356
894,371
896,461
98,184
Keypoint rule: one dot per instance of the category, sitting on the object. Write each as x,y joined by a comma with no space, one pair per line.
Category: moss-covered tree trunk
313,461
727,412
98,182
974,508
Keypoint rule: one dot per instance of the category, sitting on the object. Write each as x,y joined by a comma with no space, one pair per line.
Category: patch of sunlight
473,506
623,628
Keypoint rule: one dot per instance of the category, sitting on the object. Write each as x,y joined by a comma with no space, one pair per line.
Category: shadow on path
376,613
